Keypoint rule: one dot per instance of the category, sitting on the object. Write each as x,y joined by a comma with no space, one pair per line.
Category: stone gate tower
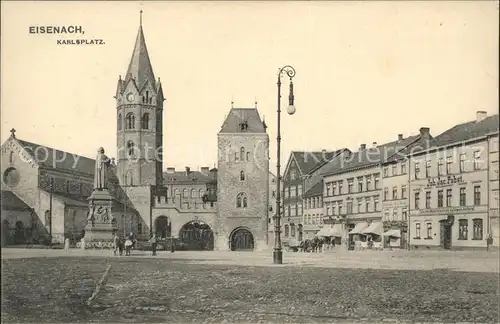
139,110
242,182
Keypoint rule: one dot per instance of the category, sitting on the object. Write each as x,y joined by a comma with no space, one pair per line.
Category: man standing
116,242
153,243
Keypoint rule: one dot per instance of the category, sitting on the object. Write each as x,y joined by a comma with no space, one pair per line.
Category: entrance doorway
196,236
242,240
163,227
445,231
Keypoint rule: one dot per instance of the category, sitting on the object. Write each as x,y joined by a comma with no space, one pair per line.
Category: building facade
494,185
449,185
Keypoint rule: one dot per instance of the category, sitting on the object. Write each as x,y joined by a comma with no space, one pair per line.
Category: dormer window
243,126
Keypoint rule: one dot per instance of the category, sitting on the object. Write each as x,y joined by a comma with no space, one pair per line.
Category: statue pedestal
100,227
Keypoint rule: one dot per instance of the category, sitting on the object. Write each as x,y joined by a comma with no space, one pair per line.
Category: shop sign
446,210
442,181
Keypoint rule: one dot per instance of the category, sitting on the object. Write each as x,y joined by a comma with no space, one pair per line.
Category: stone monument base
100,229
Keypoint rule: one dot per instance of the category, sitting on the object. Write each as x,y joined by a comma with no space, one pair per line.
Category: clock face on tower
130,96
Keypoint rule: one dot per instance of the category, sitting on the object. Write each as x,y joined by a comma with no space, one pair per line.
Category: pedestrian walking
128,245
153,242
121,245
116,242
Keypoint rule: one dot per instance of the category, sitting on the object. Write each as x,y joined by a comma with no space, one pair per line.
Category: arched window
193,193
130,121
185,193
242,154
177,193
130,147
241,200
201,193
242,175
11,157
145,121
119,122
287,230
248,156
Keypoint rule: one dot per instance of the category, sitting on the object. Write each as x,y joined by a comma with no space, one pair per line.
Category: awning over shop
323,232
374,228
335,230
359,228
393,233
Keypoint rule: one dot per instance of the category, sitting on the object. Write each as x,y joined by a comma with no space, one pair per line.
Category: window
440,167
386,171
394,169
292,230
403,168
462,197
294,208
405,215
242,175
462,162
440,198
417,230
350,184
145,121
375,204
429,231
477,161
185,193
340,208
417,169
417,200
334,206
293,191
394,214
349,207
287,230
130,121
119,122
462,229
403,192
293,175
274,194
241,200
387,215
327,209
340,187
386,193
428,199
394,193
193,193
360,184
377,181
477,228
176,193
243,126
449,164
201,192
334,188
236,156
130,147
368,183
448,197
427,169
248,156
367,205
242,154
477,195
328,189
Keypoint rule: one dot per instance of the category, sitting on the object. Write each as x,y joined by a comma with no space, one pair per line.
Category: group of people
120,244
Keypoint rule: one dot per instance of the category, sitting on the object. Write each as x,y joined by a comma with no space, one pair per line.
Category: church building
45,191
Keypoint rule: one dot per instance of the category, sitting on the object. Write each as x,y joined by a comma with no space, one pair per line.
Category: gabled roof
181,177
308,162
467,131
316,190
10,201
368,156
237,116
140,68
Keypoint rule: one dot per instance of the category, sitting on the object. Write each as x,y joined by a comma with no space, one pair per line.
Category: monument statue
102,163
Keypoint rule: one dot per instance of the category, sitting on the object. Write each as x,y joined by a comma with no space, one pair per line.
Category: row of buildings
417,191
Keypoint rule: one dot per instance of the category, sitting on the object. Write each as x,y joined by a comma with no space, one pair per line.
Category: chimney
400,137
480,116
170,170
204,170
188,170
362,147
424,131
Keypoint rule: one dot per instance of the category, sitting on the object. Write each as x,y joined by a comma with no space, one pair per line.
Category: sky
366,71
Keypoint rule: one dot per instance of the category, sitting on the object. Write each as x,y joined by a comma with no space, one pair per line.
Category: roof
316,190
237,116
467,131
367,157
140,68
181,177
10,201
311,161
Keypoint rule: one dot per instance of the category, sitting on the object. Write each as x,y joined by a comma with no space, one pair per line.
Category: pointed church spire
140,68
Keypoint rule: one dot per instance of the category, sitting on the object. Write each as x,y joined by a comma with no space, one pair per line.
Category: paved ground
54,286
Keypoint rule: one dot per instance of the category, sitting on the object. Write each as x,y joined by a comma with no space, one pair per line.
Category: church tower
139,111
242,182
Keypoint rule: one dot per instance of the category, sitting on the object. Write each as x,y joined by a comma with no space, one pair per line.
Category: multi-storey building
272,207
494,186
353,188
312,218
449,187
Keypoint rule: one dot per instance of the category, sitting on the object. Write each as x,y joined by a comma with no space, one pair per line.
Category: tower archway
163,227
196,236
241,239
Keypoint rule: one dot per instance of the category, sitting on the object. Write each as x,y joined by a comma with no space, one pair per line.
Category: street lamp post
290,71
